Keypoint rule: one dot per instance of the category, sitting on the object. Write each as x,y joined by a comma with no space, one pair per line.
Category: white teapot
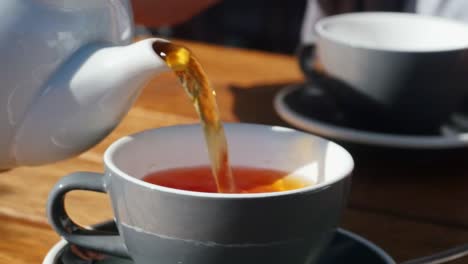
67,76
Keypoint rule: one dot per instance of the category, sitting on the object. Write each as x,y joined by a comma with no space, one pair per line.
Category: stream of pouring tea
196,84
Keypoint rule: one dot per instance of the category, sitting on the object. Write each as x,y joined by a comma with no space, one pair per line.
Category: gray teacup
170,226
404,72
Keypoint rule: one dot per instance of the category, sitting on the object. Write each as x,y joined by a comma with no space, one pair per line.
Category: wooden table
410,203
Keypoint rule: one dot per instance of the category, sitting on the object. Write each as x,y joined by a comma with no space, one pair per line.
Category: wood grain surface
410,203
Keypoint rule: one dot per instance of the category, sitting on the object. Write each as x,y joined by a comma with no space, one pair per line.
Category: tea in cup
306,180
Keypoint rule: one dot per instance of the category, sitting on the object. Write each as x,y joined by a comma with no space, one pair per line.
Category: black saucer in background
315,102
314,110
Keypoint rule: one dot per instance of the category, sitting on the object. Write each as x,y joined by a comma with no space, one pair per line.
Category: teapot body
36,38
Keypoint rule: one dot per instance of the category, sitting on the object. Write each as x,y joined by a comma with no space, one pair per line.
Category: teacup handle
306,56
109,243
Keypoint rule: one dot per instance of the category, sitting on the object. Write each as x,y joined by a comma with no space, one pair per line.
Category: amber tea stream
197,86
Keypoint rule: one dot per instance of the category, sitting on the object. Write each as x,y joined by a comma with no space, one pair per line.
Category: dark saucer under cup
345,247
315,110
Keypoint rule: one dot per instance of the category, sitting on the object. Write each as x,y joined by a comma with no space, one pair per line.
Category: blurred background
270,25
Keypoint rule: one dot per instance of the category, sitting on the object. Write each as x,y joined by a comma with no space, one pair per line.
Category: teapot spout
84,101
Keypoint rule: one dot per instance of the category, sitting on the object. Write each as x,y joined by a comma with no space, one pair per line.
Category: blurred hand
155,13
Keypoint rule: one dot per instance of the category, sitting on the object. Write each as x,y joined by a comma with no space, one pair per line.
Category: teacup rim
319,28
110,165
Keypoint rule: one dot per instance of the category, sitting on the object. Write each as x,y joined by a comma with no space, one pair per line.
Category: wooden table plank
23,242
429,189
412,206
403,238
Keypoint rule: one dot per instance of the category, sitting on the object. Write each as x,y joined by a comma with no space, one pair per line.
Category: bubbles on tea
197,86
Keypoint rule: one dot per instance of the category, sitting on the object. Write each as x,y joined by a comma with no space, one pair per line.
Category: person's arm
154,13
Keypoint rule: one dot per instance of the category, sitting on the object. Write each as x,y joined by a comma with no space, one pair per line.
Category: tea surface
248,180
